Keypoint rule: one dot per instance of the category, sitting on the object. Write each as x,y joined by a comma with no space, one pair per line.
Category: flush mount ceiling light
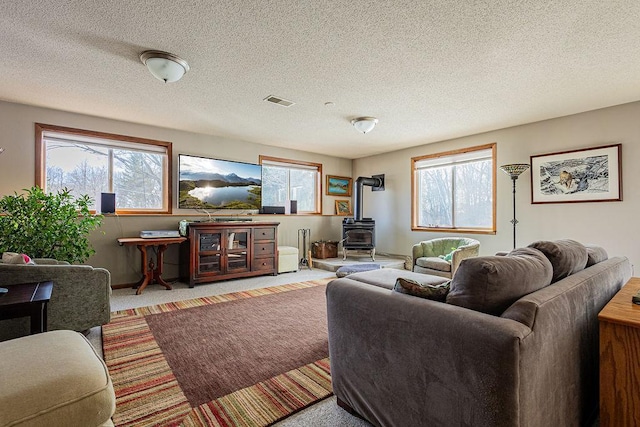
364,124
164,66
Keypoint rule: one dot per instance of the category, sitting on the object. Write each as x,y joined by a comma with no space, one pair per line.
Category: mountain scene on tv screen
205,184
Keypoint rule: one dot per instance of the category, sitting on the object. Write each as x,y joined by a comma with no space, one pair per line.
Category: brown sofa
400,360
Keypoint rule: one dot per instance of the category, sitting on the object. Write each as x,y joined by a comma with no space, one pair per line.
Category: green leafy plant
53,225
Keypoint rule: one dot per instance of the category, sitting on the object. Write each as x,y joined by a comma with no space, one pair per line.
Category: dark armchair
80,299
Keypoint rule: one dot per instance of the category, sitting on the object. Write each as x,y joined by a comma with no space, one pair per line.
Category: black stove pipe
357,194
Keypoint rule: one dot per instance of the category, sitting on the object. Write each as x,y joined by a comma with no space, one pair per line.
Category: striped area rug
148,391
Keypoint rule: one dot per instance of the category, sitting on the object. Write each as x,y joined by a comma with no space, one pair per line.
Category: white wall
17,171
613,225
610,224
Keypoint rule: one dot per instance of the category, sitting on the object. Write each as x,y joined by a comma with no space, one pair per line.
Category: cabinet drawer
264,249
264,264
265,233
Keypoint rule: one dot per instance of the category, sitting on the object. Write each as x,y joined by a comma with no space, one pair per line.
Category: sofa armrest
461,253
81,293
403,360
416,252
49,261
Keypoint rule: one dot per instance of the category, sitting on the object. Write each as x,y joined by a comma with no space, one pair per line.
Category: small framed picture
338,186
343,207
587,175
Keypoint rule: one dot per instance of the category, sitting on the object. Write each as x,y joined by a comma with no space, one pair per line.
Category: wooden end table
620,359
151,272
27,299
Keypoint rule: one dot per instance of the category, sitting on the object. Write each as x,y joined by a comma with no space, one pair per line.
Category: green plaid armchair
441,257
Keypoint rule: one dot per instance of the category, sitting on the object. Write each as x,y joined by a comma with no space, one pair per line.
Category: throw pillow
490,284
345,270
566,256
16,258
595,254
417,289
448,256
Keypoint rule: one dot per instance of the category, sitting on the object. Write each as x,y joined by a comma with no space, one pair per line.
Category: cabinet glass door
237,250
209,260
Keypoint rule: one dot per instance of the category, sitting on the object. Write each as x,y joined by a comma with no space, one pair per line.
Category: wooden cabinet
264,250
620,359
228,250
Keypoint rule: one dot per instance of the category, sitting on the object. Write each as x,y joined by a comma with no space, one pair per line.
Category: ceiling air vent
279,101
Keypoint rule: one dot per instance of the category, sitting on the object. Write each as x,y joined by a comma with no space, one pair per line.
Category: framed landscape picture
588,175
338,185
343,207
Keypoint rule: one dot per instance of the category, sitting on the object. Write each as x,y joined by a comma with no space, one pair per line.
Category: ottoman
386,278
287,259
54,379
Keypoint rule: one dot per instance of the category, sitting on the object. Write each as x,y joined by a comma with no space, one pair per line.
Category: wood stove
359,233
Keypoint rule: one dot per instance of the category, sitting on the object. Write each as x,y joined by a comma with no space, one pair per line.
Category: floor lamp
514,171
3,290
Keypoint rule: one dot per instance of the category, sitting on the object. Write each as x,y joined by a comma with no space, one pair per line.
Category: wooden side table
620,359
27,299
151,272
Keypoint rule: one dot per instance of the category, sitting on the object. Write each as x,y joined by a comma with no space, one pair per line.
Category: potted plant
47,225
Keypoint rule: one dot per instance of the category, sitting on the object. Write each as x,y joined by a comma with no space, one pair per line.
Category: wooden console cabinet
620,359
228,250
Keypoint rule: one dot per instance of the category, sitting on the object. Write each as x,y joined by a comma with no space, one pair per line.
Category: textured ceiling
428,70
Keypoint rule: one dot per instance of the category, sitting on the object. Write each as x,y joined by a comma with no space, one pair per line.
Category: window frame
317,166
415,189
40,160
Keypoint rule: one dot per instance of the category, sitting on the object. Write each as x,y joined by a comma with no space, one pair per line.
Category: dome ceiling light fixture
364,124
164,66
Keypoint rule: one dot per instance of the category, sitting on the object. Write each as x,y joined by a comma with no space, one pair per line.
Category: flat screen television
210,184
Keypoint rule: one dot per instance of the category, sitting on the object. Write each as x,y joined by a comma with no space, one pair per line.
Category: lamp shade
364,124
514,170
164,66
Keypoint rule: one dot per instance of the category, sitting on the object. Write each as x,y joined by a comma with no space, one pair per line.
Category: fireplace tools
304,237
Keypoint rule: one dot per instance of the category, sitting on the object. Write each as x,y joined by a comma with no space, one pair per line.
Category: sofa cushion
567,256
490,284
54,378
434,263
417,289
595,254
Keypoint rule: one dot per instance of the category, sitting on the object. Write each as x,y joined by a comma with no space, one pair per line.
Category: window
285,180
138,170
455,190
